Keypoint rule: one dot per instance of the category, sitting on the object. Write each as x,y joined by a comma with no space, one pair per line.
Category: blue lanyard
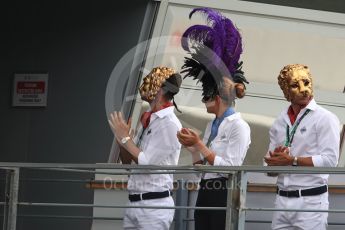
290,135
216,123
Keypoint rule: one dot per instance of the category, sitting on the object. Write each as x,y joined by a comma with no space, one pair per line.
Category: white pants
301,220
147,219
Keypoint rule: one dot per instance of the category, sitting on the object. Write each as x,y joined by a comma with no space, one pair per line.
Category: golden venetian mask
296,82
153,82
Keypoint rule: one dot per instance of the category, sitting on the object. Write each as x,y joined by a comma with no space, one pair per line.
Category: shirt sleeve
328,140
274,136
163,144
207,134
236,146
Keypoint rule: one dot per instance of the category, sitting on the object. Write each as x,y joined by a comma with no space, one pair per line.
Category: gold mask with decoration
296,82
153,82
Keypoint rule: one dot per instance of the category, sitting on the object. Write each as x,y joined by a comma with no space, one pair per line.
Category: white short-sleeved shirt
159,146
231,143
317,136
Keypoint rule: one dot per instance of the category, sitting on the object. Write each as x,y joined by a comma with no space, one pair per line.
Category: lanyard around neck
290,135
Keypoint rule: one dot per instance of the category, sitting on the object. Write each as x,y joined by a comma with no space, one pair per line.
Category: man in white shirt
305,134
155,144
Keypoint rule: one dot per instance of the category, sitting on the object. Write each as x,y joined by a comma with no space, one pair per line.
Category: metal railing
236,199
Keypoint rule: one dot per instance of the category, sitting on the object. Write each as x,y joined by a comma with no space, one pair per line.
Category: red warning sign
24,87
30,90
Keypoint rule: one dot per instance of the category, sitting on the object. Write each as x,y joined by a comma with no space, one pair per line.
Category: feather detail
219,35
196,34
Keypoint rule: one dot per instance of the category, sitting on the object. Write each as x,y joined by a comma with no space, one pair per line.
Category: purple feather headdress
215,51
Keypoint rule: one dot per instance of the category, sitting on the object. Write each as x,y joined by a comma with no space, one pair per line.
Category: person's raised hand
118,125
188,137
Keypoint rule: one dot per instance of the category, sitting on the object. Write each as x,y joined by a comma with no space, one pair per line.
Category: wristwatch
125,139
294,163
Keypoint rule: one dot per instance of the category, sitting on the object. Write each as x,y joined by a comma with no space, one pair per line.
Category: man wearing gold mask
155,144
305,134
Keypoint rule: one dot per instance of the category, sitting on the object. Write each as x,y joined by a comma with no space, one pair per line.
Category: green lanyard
290,135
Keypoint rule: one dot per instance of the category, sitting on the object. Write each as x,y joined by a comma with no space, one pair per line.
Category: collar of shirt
162,113
235,116
146,116
311,105
159,114
217,121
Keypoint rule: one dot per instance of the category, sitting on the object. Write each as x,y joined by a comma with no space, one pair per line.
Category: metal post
181,200
232,206
235,200
230,186
11,199
242,204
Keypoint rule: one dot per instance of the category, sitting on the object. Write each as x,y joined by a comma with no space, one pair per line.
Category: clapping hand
279,157
119,126
188,137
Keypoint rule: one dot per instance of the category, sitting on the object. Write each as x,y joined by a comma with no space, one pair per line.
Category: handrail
237,187
196,168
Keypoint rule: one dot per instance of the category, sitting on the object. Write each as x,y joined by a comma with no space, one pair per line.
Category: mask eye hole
294,85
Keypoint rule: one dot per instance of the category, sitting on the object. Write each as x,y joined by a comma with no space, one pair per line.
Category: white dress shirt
159,146
231,143
317,136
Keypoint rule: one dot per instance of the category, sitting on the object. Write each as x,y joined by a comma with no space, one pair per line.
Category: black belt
149,195
303,192
219,183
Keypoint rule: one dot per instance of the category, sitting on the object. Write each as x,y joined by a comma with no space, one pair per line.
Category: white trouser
143,218
301,220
